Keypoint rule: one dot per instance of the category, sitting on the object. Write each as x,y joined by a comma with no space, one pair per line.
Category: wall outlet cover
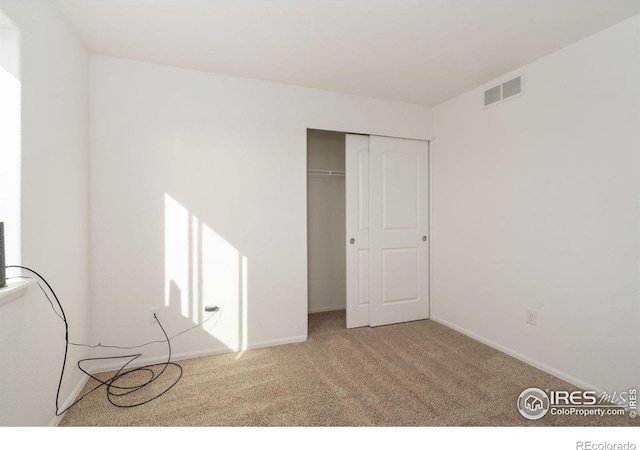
152,319
531,317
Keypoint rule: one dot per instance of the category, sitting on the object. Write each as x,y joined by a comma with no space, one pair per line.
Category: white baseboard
524,358
108,367
70,399
196,354
273,342
326,309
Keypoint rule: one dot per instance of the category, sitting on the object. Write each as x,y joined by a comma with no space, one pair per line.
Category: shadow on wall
203,269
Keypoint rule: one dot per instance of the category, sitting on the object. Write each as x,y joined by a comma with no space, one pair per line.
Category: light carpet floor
413,374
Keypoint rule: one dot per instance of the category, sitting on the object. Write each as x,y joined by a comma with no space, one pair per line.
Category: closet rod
337,173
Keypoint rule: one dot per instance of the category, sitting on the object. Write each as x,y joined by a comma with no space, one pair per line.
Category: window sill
14,290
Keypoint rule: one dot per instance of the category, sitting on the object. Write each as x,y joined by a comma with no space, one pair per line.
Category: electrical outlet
155,312
531,317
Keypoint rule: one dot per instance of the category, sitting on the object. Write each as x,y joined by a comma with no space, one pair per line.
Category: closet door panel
399,247
357,229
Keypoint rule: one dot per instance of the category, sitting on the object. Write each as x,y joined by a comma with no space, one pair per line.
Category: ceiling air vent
510,88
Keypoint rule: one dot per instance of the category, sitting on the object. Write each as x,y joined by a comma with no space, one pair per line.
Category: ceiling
417,51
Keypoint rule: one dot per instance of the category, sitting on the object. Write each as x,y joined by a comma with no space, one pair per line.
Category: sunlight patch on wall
221,284
196,305
245,303
203,269
176,245
10,130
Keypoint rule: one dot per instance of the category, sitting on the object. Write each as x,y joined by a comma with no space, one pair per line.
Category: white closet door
399,255
357,226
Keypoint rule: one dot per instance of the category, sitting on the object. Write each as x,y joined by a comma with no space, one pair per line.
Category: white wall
54,80
198,196
537,205
326,222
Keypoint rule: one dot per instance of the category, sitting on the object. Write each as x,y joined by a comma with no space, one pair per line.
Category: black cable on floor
115,390
111,382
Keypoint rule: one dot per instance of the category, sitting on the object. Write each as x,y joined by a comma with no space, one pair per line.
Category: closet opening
367,230
326,225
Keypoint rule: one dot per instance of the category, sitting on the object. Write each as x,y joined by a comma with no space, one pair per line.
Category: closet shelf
326,172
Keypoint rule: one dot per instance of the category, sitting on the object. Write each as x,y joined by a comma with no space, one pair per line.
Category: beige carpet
413,374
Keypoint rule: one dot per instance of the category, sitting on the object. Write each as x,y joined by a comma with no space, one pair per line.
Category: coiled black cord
111,382
115,386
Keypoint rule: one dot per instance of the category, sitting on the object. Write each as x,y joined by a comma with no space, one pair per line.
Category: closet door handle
352,241
424,238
